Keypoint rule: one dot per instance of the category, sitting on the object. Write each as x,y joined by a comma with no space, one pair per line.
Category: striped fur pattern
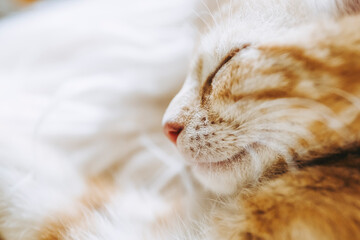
271,116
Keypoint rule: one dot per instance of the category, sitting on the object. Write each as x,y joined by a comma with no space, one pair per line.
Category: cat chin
224,178
219,182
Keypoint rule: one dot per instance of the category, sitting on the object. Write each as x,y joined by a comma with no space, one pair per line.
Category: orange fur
317,202
98,194
278,122
322,199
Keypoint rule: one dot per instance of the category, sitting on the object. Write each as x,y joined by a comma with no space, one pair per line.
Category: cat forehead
258,21
233,33
217,44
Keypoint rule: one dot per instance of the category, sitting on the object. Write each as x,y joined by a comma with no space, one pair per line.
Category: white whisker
210,13
202,19
218,6
230,9
350,115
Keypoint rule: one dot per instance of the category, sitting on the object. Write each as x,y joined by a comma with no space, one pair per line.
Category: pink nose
172,130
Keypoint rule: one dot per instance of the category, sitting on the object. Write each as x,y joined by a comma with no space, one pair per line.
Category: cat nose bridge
179,112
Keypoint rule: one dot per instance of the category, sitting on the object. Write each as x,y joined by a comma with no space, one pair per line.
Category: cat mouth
223,164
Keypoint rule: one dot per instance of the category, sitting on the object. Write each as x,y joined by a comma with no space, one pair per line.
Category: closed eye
208,83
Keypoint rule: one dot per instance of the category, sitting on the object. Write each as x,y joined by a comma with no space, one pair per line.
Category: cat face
255,105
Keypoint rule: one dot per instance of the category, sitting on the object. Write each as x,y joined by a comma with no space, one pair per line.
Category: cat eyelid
226,59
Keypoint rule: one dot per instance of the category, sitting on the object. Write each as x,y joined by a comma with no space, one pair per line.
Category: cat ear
348,7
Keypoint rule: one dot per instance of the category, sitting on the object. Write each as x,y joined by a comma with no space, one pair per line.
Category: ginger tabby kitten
268,118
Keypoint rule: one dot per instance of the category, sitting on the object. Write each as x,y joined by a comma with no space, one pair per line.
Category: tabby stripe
207,88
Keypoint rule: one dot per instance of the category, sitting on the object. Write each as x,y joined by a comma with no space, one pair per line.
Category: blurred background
83,87
8,6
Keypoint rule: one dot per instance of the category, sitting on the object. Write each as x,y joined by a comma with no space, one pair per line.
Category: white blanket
84,84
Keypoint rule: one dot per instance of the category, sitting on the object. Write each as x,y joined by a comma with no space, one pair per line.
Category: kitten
269,114
132,191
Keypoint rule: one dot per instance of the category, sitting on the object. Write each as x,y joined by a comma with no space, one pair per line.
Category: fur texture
269,115
284,92
82,155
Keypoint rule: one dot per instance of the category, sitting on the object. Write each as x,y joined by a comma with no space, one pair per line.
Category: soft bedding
84,85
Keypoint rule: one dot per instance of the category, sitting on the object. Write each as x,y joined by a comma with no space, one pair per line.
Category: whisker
350,115
218,6
275,128
348,96
197,154
282,148
230,9
202,19
208,9
319,112
256,166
